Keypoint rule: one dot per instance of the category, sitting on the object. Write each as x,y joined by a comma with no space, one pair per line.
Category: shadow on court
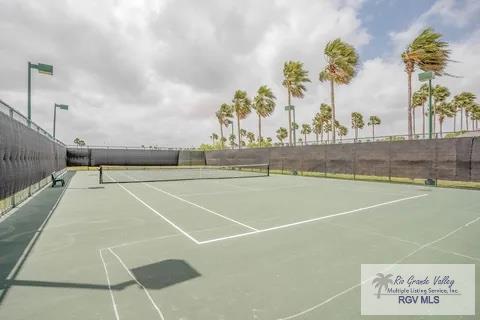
23,227
155,276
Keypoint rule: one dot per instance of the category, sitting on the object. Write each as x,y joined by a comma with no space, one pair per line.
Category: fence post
325,161
354,164
390,159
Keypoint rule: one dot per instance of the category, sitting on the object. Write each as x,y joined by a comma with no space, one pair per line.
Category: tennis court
267,247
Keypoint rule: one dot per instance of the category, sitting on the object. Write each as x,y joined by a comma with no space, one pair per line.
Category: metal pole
430,109
54,118
29,93
294,129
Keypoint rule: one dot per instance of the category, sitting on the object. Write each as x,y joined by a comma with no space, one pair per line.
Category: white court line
312,220
141,285
267,229
200,207
127,244
395,263
159,214
408,241
193,204
244,191
109,286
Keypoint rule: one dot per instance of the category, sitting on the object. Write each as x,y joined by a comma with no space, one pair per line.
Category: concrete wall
447,159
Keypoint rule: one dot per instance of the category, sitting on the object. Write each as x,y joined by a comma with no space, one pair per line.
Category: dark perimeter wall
447,159
26,156
109,156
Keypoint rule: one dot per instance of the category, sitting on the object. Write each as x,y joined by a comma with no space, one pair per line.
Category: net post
268,169
100,175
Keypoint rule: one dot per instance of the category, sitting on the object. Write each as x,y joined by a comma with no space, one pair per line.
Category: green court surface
278,247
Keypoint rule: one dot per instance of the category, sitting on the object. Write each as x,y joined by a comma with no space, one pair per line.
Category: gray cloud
154,72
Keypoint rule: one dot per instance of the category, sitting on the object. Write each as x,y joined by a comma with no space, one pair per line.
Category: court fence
456,159
28,155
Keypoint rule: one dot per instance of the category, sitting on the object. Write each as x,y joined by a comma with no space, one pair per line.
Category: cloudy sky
154,72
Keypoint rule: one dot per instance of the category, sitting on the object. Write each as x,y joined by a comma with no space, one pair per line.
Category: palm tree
264,105
428,53
241,107
417,101
475,116
282,134
306,129
327,128
357,122
439,94
294,80
250,137
342,61
326,117
232,138
214,137
317,126
342,131
462,102
223,116
444,110
469,108
424,93
374,121
382,281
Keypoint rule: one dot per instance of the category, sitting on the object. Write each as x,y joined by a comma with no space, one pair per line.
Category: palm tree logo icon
382,281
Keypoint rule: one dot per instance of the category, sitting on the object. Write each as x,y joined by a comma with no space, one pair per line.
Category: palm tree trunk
466,119
461,119
373,132
221,133
356,134
455,122
238,128
332,98
423,118
441,127
305,140
289,119
413,121
259,128
321,135
434,118
316,137
409,76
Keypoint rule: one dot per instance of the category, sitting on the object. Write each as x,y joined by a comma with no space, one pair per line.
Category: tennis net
127,174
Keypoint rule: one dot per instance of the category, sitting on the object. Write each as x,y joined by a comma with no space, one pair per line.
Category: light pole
428,76
230,122
292,108
55,106
43,69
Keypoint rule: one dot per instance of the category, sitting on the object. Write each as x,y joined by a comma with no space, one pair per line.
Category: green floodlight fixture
59,106
43,69
422,77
